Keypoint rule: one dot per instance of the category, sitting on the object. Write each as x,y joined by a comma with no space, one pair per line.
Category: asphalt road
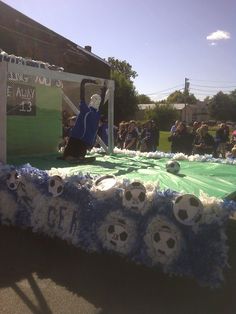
43,275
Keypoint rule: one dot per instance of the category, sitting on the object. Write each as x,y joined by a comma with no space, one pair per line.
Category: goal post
32,101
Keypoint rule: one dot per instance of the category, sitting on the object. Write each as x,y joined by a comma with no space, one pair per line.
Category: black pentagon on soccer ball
182,214
123,236
111,229
128,195
121,221
52,183
198,218
178,199
172,165
59,189
170,243
141,197
193,202
165,227
157,237
12,185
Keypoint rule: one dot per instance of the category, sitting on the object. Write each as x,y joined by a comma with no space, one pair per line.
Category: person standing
131,136
204,142
222,138
181,140
155,135
174,127
146,138
121,134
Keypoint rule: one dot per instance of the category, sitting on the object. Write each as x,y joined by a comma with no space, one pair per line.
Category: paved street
42,275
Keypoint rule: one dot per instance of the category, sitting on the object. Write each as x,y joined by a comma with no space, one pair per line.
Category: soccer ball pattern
56,186
117,233
188,209
163,240
13,180
134,196
172,166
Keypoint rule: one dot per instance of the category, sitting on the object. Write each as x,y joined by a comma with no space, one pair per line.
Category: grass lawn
164,145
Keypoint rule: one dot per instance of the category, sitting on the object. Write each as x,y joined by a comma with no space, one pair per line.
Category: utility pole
186,92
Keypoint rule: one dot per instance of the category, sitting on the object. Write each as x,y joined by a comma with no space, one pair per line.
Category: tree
144,99
233,96
125,98
178,97
164,116
122,67
223,107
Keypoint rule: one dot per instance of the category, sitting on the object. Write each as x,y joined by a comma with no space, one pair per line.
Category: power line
231,82
207,89
210,86
164,90
210,90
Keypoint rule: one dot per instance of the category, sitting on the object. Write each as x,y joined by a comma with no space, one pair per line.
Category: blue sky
164,40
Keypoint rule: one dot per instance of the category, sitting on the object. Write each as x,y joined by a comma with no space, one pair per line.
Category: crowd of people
128,135
136,136
198,140
145,137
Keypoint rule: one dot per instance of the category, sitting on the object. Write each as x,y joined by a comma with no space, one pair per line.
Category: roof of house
146,106
22,36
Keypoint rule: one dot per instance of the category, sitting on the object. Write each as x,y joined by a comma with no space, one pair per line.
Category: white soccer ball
105,186
172,166
13,180
188,209
134,196
56,186
163,240
117,233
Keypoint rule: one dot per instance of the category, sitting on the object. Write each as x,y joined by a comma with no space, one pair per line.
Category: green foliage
125,98
164,116
144,99
223,106
178,97
122,67
233,96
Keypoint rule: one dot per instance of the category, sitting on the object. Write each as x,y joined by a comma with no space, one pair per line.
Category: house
193,112
188,113
22,36
32,92
140,114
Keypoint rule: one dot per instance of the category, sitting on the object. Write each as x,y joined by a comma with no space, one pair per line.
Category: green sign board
34,122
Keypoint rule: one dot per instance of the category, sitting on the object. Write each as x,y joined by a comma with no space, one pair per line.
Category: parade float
125,203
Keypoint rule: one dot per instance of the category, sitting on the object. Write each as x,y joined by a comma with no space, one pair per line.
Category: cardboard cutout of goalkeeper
83,134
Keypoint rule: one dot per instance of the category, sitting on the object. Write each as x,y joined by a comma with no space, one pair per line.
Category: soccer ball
163,240
188,209
117,233
13,180
172,166
55,186
134,196
105,186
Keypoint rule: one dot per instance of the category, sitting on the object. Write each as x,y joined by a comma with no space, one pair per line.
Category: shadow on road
108,282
